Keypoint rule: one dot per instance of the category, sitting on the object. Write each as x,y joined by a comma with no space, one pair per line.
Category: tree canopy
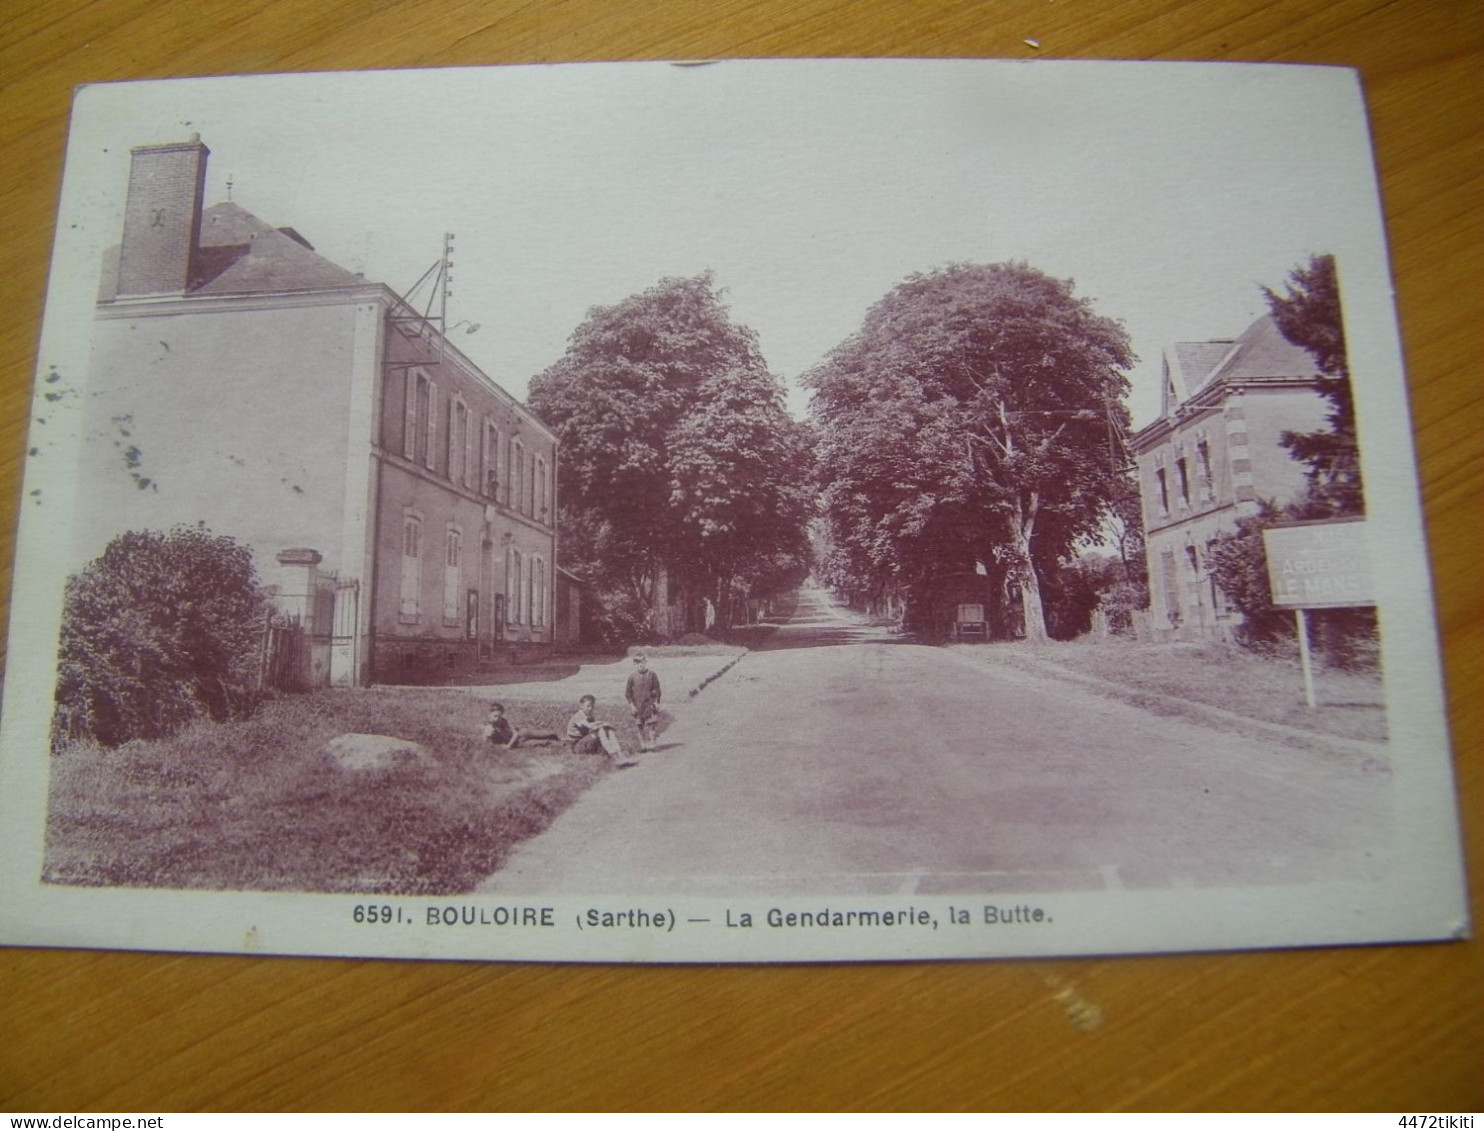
677,453
973,424
1308,314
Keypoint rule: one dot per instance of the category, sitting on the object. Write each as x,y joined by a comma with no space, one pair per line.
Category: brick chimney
162,218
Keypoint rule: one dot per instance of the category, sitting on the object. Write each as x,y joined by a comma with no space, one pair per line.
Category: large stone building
402,502
1209,458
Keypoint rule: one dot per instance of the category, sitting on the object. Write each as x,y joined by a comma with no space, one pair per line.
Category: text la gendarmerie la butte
993,915
777,917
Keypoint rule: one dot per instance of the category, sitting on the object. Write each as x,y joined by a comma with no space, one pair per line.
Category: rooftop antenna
445,290
439,279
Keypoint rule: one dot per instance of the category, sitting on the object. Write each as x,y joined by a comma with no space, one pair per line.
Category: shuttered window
410,605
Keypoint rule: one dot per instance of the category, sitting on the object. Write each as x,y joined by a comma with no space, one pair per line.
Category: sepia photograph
744,512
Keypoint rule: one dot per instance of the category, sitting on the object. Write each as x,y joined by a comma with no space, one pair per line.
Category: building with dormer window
401,501
1209,458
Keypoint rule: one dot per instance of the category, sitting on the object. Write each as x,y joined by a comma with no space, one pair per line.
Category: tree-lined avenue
838,760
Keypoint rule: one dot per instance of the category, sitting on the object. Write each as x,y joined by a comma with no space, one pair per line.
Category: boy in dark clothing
499,732
643,694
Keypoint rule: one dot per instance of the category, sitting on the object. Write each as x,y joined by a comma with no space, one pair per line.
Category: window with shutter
453,575
411,391
409,607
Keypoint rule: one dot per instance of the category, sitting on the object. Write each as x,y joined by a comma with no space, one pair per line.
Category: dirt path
837,760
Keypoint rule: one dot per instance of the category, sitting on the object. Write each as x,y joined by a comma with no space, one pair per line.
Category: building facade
1211,456
400,502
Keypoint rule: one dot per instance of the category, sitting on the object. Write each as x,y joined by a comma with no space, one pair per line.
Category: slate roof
242,255
1261,352
1195,361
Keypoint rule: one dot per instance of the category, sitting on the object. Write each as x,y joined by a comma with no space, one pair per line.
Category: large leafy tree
1308,314
677,453
971,424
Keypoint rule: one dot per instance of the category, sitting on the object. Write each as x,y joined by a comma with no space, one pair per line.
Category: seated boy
499,732
586,735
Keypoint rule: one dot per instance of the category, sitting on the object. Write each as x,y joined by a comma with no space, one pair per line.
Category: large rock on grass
374,752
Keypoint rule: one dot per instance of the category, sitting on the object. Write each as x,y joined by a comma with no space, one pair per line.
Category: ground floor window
1170,585
514,588
410,605
538,594
453,576
1219,603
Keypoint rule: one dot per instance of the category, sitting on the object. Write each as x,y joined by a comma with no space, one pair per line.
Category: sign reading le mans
1315,565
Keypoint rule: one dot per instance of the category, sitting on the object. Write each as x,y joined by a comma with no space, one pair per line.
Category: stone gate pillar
298,585
298,578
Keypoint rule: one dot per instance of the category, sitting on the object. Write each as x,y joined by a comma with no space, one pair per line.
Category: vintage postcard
759,511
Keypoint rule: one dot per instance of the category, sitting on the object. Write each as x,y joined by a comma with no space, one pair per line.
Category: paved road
838,760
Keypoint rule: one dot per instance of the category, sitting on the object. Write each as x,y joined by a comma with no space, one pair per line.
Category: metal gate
284,655
341,610
313,638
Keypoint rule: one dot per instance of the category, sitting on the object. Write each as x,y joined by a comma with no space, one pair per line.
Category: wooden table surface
1385,1028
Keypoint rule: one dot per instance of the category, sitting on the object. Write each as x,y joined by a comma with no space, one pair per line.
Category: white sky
1168,192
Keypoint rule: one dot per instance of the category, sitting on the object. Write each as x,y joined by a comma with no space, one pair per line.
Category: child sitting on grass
499,732
586,735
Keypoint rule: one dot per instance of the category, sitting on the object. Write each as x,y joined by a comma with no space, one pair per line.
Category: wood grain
1387,1028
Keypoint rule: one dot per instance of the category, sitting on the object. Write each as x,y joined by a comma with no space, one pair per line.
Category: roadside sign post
1317,565
1304,660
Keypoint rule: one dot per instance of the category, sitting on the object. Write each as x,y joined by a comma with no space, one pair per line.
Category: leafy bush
160,629
620,618
1239,563
1348,639
1120,601
1072,591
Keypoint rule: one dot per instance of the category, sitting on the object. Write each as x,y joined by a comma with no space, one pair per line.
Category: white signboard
1319,565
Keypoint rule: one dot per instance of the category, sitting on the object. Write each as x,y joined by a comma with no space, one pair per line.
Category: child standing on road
643,694
586,735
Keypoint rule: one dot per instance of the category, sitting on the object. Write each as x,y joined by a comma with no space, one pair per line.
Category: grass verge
1159,676
258,805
